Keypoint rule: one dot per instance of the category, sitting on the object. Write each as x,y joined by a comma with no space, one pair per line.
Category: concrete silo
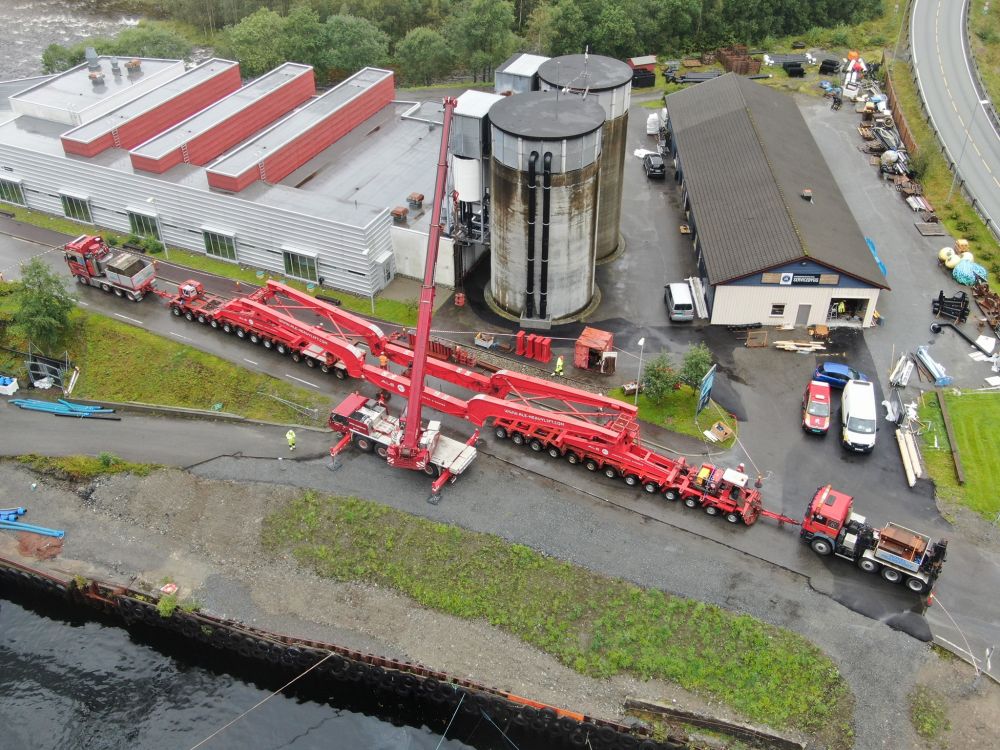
610,82
544,188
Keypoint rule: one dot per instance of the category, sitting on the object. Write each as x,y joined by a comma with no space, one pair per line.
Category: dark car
837,374
654,166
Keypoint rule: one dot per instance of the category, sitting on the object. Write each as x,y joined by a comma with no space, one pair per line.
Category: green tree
697,362
43,305
57,58
614,34
424,56
148,39
354,43
659,378
304,38
255,42
561,28
480,32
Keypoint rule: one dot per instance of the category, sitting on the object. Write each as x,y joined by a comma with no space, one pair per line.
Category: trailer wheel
500,432
631,480
268,344
339,373
131,297
869,566
591,464
363,444
105,287
214,323
202,319
517,438
691,502
572,458
892,575
254,338
227,328
310,362
381,451
733,517
119,292
916,585
610,472
189,316
431,470
671,494
711,510
536,445
821,546
176,311
296,357
554,452
280,348
651,487
82,280
240,332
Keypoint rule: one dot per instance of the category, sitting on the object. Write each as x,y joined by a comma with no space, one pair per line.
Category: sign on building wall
789,278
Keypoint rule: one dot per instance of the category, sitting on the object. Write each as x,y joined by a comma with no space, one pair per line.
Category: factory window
77,208
144,225
300,266
777,311
10,192
220,245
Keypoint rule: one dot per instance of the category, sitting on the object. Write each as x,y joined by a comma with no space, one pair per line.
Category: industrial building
774,238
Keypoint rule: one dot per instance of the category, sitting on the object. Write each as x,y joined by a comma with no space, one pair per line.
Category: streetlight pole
638,379
965,144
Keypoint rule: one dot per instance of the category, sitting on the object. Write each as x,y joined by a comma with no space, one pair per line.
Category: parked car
859,416
837,374
816,408
654,166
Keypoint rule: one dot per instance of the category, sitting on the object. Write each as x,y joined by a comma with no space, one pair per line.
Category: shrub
660,378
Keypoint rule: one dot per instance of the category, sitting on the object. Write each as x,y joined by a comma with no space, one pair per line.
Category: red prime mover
94,263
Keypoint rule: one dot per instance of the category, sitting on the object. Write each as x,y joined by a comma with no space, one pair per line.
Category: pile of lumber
800,346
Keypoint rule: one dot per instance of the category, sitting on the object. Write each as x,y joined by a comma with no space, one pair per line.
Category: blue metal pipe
17,526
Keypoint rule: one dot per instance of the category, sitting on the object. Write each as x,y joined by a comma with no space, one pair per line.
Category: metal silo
544,188
610,82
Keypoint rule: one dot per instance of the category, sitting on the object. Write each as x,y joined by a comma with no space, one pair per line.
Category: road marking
126,317
249,360
313,385
172,333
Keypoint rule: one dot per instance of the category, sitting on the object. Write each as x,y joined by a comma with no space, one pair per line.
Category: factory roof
222,110
747,156
579,72
547,115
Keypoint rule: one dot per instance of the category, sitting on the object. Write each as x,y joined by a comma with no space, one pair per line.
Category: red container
520,343
529,346
543,350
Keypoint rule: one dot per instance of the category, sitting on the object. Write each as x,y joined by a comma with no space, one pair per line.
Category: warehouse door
802,319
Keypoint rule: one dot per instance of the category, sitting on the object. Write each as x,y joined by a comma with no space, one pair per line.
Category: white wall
735,305
410,248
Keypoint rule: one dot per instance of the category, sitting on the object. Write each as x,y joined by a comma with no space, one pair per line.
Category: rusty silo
610,82
544,188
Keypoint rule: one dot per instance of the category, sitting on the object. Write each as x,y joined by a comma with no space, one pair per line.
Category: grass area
973,416
83,468
984,34
676,412
928,712
596,625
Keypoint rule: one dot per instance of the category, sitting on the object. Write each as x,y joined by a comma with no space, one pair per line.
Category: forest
433,40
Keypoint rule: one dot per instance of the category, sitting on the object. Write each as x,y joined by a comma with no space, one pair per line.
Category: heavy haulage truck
94,263
831,527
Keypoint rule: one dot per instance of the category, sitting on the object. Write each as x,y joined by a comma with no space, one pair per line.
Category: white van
680,305
858,416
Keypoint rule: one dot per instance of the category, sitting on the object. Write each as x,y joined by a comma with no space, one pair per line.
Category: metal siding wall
345,253
734,305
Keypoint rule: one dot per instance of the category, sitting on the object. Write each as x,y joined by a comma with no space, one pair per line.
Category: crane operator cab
191,289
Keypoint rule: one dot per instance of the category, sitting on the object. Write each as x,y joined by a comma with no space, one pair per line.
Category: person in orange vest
383,361
559,367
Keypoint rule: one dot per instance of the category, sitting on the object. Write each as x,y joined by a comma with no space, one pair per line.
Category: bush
106,459
918,164
840,37
660,378
697,362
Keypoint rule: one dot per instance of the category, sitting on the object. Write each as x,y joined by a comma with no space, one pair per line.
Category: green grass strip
83,468
597,625
676,412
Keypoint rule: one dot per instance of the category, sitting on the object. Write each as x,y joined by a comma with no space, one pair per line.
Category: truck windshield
819,410
861,426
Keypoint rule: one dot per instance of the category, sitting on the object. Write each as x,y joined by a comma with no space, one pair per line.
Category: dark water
70,681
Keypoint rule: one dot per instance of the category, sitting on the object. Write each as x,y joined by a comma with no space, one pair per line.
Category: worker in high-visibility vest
383,361
559,367
290,437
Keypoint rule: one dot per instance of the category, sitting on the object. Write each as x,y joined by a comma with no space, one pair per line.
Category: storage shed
775,241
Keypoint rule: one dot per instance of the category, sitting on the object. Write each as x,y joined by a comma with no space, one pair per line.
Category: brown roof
747,155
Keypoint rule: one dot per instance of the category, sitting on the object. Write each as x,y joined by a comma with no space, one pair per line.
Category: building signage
789,279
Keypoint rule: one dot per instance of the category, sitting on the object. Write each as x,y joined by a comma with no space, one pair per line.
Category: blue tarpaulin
878,260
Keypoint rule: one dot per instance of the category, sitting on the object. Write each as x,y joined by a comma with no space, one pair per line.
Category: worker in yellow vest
559,367
290,437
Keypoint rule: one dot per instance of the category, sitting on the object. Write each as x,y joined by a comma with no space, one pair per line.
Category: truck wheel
500,432
280,348
189,316
296,357
176,311
240,333
310,362
916,585
202,319
214,323
517,438
363,444
869,566
631,480
610,472
691,502
339,373
536,445
82,280
591,464
432,471
131,297
268,344
651,487
734,517
711,510
254,338
892,575
119,292
554,452
572,458
105,287
821,546
227,328
671,494
381,451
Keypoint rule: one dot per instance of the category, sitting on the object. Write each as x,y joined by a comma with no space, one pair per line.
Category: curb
158,410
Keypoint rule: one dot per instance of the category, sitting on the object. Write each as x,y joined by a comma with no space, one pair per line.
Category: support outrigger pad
434,498
335,464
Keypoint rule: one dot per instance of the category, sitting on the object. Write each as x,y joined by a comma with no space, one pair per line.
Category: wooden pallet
800,346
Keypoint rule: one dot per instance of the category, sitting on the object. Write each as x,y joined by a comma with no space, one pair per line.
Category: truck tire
573,458
105,287
268,344
500,432
536,445
176,311
631,480
591,464
869,566
734,517
554,452
651,487
711,510
432,471
671,494
517,438
189,316
254,338
214,323
892,575
916,585
821,546
241,332
310,362
82,280
610,472
691,502
280,348
296,357
364,443
131,297
202,319
227,328
381,451
119,292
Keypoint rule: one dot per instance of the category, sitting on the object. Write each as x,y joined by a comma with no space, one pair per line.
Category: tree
354,43
561,28
304,38
148,39
659,378
614,34
697,362
481,34
424,55
43,305
255,42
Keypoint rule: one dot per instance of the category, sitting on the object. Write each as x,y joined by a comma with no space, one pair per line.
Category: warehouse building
323,188
775,241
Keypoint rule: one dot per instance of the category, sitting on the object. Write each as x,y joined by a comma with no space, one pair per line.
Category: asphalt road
941,59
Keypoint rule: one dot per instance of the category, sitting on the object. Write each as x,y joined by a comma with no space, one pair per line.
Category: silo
610,82
544,188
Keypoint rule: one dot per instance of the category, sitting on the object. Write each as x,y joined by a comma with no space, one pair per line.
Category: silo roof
547,115
578,72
